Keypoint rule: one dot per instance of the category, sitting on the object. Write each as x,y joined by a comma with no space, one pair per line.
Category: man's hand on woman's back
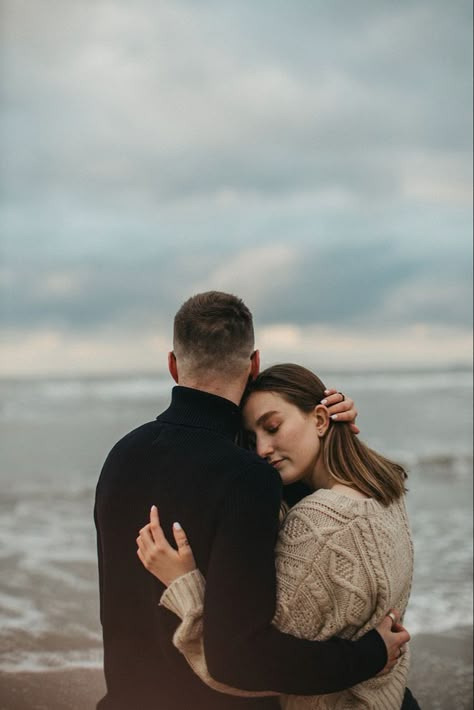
395,637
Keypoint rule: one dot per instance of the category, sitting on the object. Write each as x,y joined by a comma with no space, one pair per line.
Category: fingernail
333,416
326,391
324,401
177,526
153,507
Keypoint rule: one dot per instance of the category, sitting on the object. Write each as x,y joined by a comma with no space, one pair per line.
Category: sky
313,157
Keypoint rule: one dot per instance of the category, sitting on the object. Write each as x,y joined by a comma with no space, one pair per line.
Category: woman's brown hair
347,459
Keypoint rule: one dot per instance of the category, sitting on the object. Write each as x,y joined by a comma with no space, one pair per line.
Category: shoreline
440,678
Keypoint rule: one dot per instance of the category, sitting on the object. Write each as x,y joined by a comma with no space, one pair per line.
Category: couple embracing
294,559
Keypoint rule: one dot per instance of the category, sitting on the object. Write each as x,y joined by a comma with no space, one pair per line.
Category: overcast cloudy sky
312,156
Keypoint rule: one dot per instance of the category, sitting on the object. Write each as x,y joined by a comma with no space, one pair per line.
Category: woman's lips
276,463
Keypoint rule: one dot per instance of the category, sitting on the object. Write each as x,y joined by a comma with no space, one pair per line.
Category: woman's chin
288,476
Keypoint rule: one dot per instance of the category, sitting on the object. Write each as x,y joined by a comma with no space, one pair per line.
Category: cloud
256,274
430,300
48,352
168,100
328,347
343,285
315,158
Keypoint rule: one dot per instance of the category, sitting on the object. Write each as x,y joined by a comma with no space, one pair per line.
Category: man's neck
232,391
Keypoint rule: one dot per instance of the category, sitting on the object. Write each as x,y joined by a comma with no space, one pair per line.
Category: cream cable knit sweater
341,564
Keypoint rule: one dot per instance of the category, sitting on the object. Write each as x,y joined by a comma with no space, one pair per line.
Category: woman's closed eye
272,429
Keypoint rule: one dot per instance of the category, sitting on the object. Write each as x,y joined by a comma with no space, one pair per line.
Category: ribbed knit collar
190,407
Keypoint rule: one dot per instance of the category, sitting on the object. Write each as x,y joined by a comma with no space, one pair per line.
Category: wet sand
441,675
75,689
441,679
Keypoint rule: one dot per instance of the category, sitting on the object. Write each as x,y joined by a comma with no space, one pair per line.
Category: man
228,501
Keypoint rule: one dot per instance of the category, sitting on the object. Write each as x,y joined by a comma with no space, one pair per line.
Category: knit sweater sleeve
185,598
243,648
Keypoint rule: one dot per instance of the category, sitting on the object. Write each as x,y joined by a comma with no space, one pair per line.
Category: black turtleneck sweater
227,499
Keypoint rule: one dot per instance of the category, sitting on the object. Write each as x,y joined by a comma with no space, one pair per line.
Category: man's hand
341,408
395,637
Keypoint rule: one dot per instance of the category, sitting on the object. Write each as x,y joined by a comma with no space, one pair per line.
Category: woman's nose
264,446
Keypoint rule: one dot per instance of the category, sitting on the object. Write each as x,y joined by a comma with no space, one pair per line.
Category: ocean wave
446,380
149,387
42,661
426,606
25,403
449,466
16,612
128,388
24,494
418,620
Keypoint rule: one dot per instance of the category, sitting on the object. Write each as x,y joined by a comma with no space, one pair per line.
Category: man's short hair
213,331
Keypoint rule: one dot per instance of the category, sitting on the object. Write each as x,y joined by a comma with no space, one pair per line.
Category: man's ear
254,364
173,366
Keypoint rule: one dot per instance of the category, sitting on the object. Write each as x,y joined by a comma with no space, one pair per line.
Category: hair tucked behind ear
347,459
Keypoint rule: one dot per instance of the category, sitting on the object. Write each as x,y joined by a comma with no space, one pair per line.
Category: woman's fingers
152,542
151,539
184,548
145,537
154,517
338,403
142,551
341,408
155,527
331,391
152,545
146,546
158,556
141,556
180,536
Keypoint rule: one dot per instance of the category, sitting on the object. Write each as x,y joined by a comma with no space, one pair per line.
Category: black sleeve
99,559
295,492
242,647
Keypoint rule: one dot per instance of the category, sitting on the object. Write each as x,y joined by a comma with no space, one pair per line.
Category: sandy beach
441,679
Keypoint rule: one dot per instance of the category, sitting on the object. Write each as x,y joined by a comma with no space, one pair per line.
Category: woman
344,554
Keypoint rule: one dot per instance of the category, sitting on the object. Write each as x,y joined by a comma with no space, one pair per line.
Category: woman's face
284,435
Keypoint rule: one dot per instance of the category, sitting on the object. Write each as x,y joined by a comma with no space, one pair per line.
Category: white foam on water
408,382
22,397
42,661
29,400
143,388
17,612
56,530
435,611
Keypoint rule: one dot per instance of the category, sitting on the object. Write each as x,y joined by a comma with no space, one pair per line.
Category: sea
55,434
